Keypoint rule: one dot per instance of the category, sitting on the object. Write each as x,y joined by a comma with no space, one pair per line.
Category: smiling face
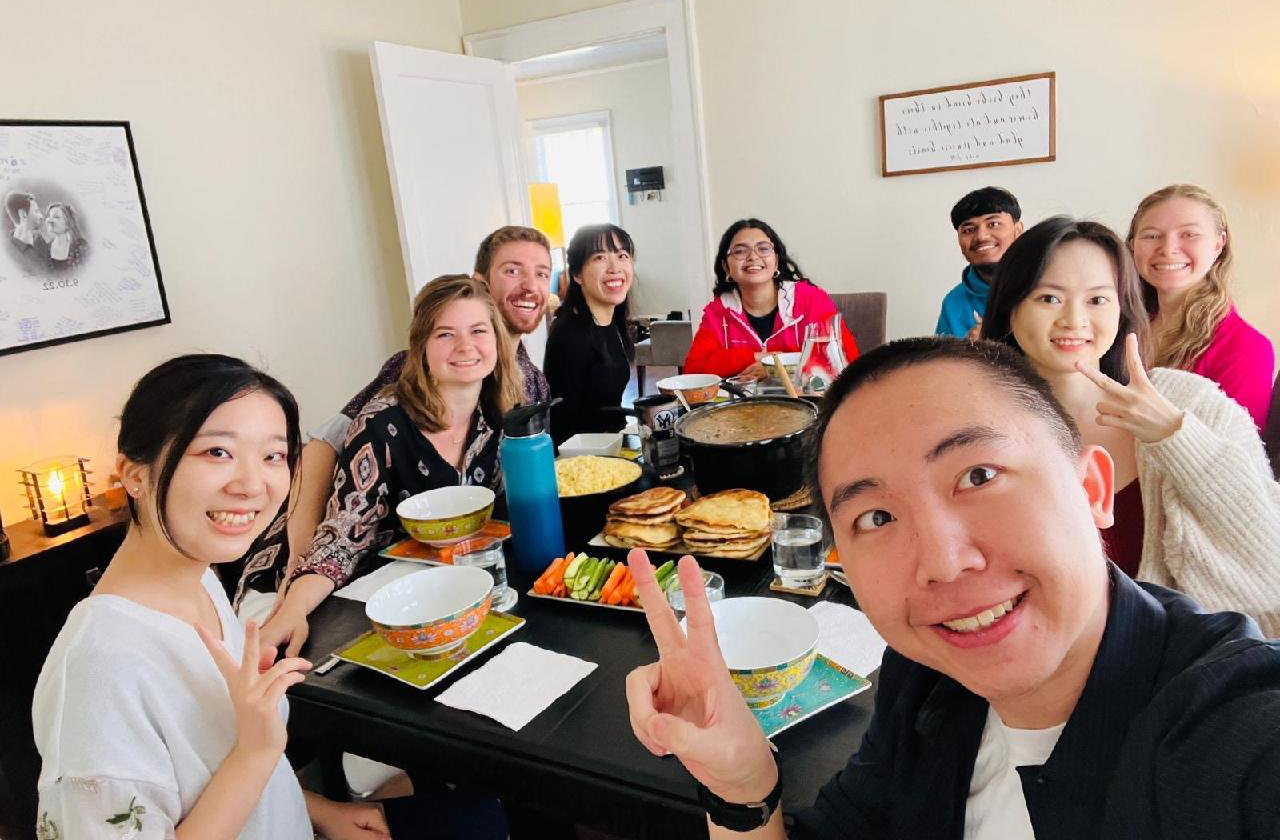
230,481
606,276
751,259
983,239
1073,314
969,535
520,281
1175,243
56,220
462,347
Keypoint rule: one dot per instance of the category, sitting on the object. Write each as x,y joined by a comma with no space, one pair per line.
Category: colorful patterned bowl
431,612
698,388
769,645
446,515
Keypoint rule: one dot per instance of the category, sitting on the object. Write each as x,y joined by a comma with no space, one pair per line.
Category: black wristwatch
741,816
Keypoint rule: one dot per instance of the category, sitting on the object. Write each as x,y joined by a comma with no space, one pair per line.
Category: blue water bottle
529,475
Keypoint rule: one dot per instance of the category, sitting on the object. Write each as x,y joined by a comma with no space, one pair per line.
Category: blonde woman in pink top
1182,248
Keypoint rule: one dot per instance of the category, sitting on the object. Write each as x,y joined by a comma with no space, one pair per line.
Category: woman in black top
589,351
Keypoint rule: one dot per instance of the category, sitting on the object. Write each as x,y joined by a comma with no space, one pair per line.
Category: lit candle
57,486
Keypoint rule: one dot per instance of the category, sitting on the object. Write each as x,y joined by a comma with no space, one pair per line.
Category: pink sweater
1241,360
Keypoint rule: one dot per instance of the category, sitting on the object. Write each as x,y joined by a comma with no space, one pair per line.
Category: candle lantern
58,492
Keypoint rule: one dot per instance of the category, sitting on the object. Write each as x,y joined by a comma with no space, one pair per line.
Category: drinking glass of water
799,549
711,582
487,554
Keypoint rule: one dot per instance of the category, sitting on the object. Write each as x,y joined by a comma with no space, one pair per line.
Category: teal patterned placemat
826,685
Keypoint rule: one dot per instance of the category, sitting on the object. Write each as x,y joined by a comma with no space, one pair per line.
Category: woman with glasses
762,303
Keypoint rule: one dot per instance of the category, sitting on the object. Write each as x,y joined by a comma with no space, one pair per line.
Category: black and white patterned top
385,460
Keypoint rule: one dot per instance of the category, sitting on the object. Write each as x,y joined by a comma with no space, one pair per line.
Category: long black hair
589,240
172,401
1022,266
787,268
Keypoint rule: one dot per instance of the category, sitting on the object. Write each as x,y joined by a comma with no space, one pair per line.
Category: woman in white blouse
154,714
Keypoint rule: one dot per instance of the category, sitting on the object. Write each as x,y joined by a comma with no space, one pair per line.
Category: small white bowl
594,443
789,360
431,612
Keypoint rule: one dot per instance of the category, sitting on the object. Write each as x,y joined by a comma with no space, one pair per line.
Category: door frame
620,21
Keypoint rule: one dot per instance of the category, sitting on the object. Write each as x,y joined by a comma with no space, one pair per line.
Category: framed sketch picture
77,258
1000,122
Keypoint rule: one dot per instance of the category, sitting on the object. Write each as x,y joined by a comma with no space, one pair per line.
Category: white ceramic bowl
431,612
697,388
607,444
789,360
768,644
446,515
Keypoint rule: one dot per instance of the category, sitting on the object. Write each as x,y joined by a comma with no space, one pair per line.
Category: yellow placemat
370,650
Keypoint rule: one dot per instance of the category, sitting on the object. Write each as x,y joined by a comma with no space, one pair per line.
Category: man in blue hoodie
986,222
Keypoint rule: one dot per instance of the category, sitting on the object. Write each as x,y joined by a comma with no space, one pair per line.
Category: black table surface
578,758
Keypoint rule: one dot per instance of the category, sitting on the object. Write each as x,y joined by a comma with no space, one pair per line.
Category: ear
134,476
1018,228
479,278
1098,477
1222,243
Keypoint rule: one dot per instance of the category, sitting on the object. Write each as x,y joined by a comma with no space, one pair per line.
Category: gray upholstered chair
667,345
865,313
1271,434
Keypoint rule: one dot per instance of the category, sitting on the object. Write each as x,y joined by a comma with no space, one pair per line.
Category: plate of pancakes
734,524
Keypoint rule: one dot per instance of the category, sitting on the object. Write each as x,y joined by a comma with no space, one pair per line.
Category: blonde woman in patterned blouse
438,425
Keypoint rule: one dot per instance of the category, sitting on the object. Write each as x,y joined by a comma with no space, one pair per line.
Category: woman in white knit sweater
1196,508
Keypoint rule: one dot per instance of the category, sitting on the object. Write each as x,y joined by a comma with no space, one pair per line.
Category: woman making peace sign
1196,508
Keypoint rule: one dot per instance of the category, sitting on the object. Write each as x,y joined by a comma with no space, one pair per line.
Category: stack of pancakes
731,523
645,520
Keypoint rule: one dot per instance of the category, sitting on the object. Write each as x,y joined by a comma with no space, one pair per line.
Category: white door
451,129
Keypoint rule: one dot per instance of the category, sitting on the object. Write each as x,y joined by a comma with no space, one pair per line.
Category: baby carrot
612,583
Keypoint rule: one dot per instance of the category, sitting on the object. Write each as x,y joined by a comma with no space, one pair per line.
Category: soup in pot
747,421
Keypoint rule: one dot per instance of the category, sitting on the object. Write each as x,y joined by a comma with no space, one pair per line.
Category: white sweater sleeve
1219,505
72,808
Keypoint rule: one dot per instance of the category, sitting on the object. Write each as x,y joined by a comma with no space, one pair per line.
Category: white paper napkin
517,684
846,636
362,590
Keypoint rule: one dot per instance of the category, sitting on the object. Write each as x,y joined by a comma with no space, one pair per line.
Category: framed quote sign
77,259
996,123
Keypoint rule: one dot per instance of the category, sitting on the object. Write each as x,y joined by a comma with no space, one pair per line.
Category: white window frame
571,122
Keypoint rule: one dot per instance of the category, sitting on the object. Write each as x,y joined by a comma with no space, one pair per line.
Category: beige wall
638,100
483,15
1190,92
257,135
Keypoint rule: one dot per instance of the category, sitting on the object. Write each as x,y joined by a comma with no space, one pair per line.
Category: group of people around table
994,541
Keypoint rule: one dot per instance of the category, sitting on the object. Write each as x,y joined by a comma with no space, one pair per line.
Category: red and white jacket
725,344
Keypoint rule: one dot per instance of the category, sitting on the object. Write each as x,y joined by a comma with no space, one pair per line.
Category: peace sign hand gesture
686,704
1138,407
255,687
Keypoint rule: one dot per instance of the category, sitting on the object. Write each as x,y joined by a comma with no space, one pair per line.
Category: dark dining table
578,759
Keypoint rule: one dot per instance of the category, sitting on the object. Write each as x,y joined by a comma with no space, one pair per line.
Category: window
576,154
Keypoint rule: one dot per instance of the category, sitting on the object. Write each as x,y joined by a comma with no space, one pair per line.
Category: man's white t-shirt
996,808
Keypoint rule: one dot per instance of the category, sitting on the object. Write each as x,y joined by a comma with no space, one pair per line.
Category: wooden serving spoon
784,376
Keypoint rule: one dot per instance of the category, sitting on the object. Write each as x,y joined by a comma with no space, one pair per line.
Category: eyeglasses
741,252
